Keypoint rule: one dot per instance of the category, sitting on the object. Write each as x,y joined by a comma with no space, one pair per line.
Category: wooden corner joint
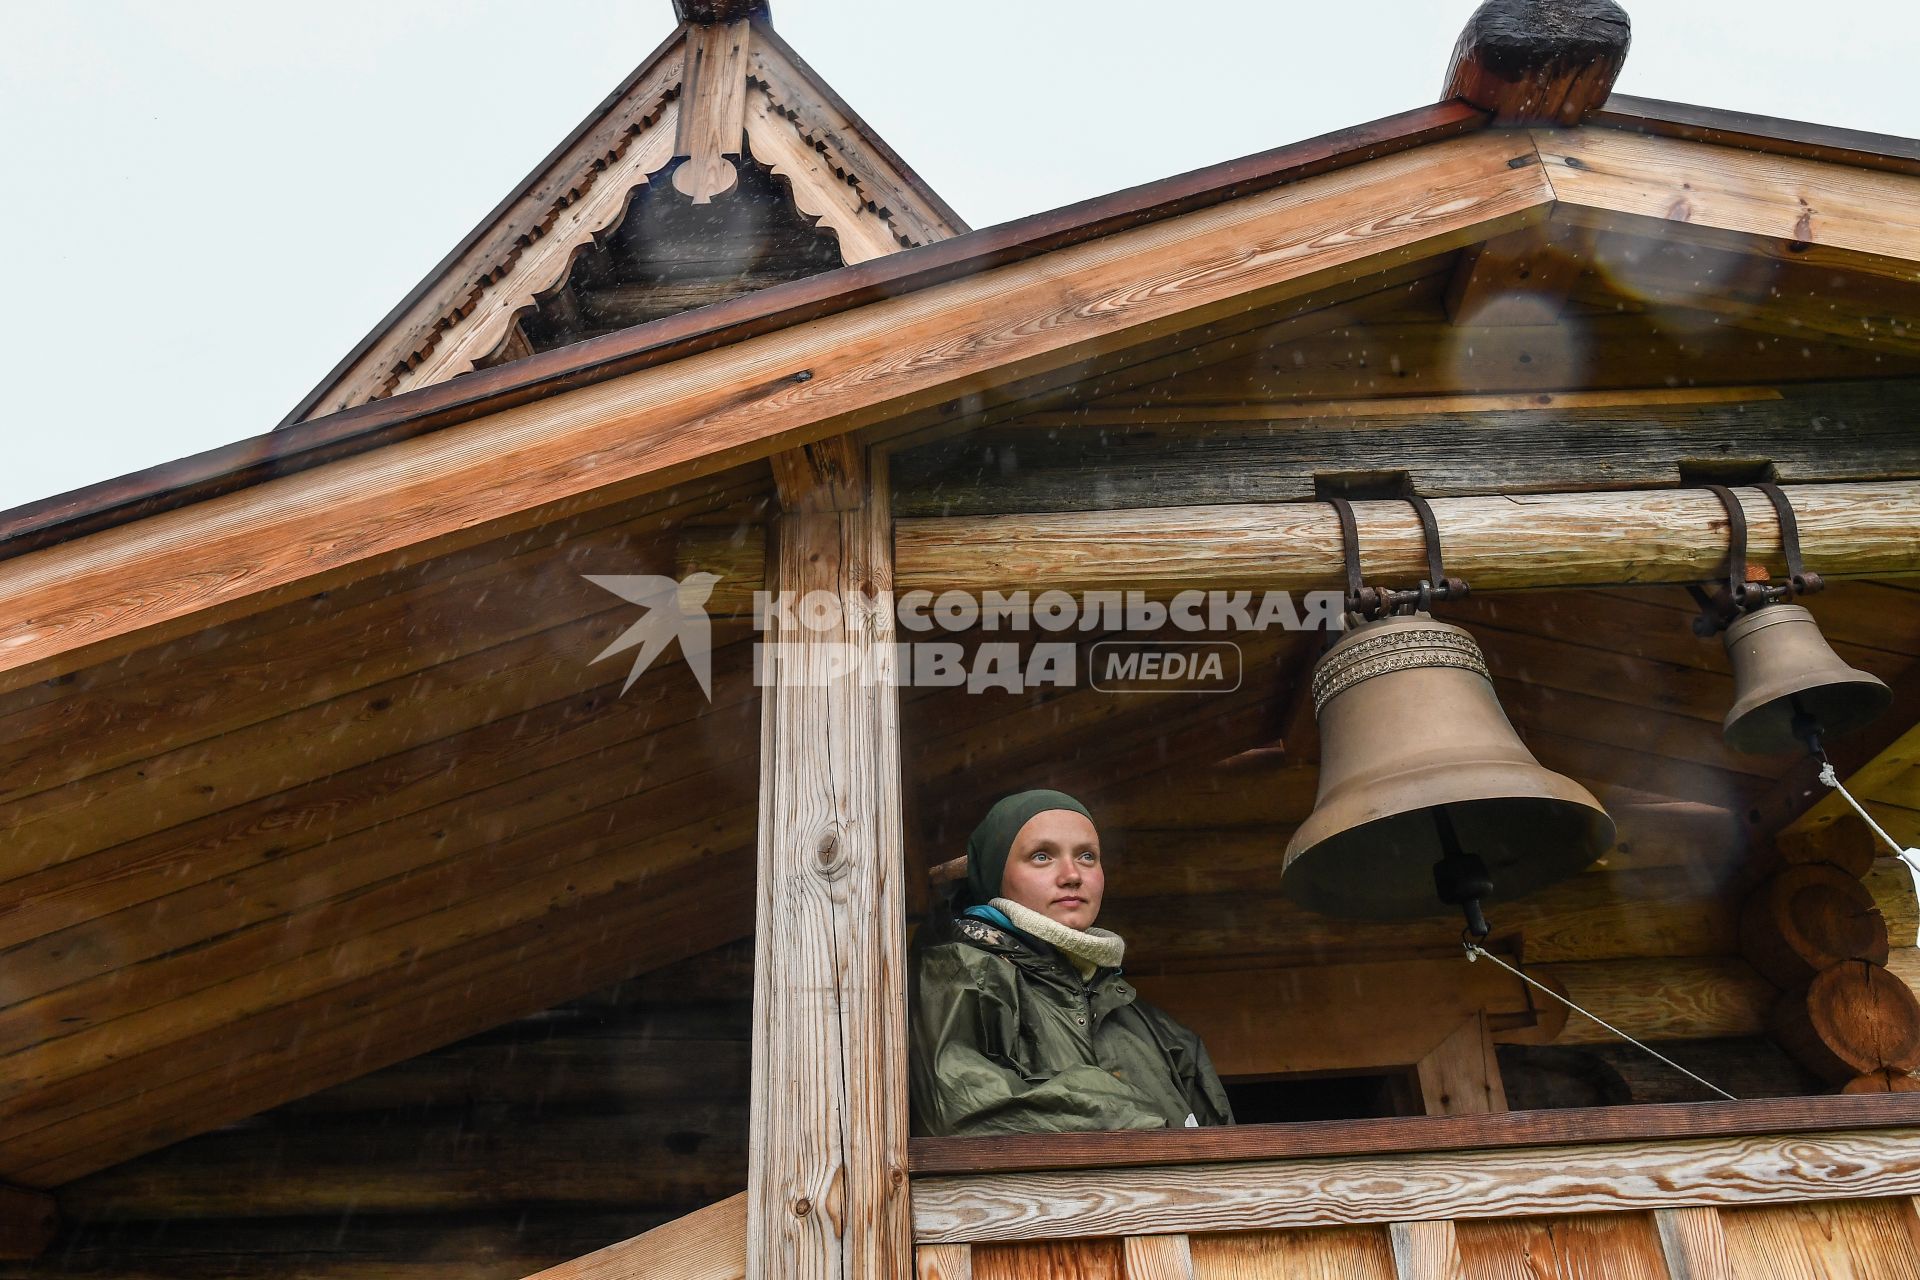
1539,62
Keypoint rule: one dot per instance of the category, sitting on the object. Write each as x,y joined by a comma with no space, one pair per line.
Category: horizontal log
1350,1190
1167,453
1808,917
1495,543
1854,1018
1533,63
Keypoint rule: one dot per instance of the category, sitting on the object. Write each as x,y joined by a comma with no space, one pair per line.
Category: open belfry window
1409,641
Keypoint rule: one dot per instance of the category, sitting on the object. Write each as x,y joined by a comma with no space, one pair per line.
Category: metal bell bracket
1739,596
1366,604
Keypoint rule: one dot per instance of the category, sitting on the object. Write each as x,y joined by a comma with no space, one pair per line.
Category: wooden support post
1460,1077
827,1173
1539,61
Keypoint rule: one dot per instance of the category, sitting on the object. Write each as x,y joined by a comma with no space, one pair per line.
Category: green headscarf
992,841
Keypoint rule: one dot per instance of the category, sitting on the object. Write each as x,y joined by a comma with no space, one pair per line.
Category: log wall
492,1159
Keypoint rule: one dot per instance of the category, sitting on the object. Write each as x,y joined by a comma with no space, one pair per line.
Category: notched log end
1539,62
711,11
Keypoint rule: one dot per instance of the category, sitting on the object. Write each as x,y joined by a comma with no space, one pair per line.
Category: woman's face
1054,868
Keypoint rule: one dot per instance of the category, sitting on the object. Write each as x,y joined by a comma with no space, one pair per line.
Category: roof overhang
649,407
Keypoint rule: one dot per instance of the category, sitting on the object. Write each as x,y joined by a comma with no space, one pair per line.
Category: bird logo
674,608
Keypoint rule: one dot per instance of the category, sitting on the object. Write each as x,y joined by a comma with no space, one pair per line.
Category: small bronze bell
1784,669
1418,765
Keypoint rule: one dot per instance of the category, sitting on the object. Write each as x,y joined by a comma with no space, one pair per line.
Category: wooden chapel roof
1036,287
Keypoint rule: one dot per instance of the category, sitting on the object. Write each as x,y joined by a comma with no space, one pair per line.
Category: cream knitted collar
1088,949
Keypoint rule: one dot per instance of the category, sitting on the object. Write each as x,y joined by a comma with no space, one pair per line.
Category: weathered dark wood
1759,133
704,11
1612,1073
28,1222
1539,61
307,444
1408,1133
1817,432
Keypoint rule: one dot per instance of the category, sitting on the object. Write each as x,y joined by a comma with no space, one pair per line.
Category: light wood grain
1498,543
544,263
1693,1243
232,555
1157,1258
1313,1253
1616,1246
827,1190
712,104
943,1262
1807,210
1839,1240
1425,1250
709,1244
1459,1076
817,191
1484,1184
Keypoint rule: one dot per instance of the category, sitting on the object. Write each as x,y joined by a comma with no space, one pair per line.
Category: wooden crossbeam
1497,543
1539,61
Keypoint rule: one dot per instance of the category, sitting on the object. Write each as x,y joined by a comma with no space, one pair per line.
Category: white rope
1909,856
1475,951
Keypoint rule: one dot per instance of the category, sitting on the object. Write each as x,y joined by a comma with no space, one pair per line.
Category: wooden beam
943,1262
1496,543
1693,1243
827,1187
1804,211
1539,61
1460,1077
712,126
1281,1194
28,1222
707,1244
82,601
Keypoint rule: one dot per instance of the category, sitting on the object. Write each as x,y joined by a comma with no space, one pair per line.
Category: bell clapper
1461,878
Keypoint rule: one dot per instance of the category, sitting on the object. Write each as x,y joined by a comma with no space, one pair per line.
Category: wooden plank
1460,1076
1313,1253
712,126
1157,1258
1354,1190
1725,197
1311,1138
1050,1260
240,552
817,191
709,1244
1521,278
1852,530
516,221
479,330
827,1189
1613,1245
943,1262
1694,1243
1760,133
1851,1239
1427,1250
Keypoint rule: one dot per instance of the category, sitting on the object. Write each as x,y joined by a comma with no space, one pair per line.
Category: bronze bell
1783,668
1417,763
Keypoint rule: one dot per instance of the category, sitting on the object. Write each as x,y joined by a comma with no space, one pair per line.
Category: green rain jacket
1008,1039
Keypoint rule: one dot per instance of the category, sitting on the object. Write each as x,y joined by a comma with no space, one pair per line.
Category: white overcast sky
207,202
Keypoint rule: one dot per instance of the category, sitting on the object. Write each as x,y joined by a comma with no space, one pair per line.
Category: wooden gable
722,165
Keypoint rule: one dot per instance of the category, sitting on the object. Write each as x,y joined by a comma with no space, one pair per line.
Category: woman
1021,1021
